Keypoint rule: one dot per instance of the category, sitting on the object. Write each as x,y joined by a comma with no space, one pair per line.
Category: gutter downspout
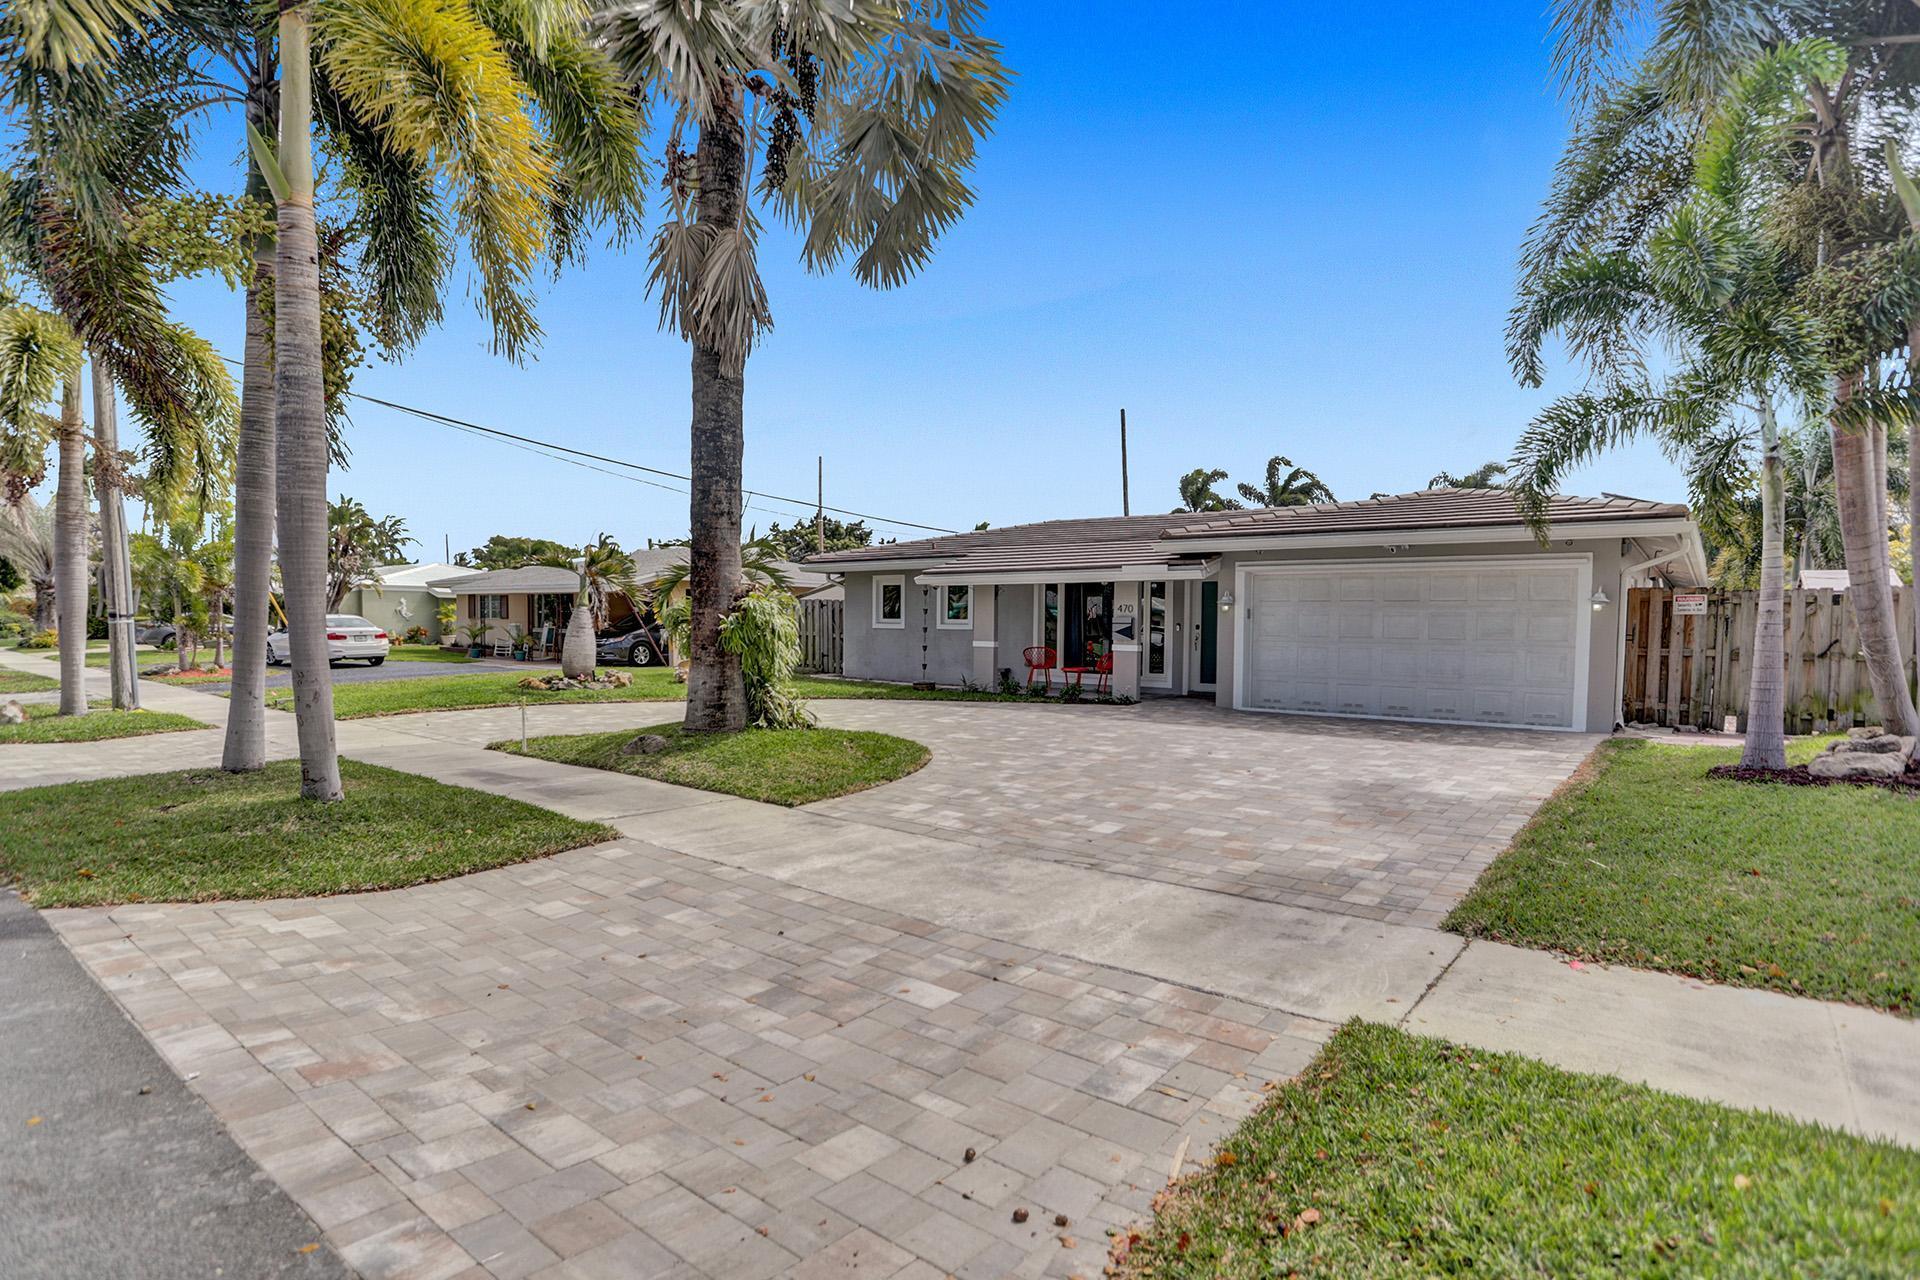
1620,641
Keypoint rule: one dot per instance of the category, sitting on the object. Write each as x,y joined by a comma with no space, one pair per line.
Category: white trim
1019,577
1582,631
985,644
1149,680
889,624
941,622
843,567
1125,648
1581,532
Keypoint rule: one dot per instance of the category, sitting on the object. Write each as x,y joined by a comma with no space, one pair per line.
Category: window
1156,628
889,602
1089,621
956,608
489,607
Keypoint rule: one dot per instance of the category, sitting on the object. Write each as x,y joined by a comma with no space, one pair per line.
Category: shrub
763,631
415,635
48,639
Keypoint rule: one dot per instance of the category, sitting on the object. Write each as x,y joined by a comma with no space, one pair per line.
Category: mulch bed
1799,776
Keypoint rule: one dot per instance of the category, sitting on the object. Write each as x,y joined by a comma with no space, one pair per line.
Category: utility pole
820,503
1126,508
446,548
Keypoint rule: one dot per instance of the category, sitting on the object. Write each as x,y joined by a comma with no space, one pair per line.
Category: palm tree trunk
300,411
117,574
577,652
1766,742
45,615
245,748
1869,574
716,694
70,551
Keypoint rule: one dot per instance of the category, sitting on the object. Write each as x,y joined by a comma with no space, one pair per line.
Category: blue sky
1275,229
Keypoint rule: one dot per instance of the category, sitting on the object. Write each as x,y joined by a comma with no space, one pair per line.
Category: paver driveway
1389,822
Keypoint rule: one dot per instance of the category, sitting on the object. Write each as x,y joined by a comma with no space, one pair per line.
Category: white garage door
1474,643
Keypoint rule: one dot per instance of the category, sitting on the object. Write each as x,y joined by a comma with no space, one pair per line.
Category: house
400,597
1439,605
527,600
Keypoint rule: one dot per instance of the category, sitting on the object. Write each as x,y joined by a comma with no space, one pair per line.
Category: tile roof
1100,541
539,579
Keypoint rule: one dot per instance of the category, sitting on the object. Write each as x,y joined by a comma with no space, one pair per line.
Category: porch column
985,628
1129,630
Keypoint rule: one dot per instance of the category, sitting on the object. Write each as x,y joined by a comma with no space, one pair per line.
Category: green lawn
25,682
46,724
1644,860
778,766
426,653
502,689
202,834
97,655
1398,1156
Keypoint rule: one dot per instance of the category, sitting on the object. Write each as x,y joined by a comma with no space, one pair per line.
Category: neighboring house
537,597
1439,605
400,597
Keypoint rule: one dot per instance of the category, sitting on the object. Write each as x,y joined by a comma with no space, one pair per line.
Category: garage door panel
1454,642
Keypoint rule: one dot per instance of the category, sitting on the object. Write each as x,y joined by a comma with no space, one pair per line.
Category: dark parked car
157,634
640,645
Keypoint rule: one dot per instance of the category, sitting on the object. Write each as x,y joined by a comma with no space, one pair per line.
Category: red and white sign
1685,605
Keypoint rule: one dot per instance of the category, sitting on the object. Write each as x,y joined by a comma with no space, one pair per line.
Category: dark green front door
1208,624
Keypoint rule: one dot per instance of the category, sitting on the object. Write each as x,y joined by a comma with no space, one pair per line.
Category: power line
533,444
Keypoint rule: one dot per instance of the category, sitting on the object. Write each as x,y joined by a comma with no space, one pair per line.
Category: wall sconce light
1598,599
1226,601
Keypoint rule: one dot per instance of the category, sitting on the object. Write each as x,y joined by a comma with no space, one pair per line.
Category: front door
1206,636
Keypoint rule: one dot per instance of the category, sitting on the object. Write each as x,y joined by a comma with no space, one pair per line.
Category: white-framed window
490,606
956,608
890,602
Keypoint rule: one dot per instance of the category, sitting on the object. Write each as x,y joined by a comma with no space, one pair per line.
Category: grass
1397,1156
25,682
1644,860
650,684
426,653
201,835
778,766
99,657
205,675
46,724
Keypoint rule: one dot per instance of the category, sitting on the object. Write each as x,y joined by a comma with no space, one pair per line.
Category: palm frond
38,352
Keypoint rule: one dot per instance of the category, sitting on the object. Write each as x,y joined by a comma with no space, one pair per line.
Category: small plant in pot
517,636
476,638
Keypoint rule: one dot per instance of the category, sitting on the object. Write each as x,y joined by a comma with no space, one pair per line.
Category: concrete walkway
446,1076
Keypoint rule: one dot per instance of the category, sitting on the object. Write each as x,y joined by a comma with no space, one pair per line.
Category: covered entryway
1485,641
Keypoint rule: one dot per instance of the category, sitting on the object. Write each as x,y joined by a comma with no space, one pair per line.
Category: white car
350,638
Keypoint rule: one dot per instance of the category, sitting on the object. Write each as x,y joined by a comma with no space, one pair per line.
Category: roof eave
1617,527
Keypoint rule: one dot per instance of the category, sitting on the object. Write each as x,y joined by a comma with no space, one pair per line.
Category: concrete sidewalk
111,1166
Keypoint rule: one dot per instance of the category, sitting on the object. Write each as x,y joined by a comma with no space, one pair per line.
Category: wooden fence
1693,668
823,636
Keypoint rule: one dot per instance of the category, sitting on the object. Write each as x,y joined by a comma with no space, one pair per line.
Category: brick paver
623,1061
1384,821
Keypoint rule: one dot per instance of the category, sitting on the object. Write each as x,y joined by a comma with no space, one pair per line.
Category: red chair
1040,658
1103,667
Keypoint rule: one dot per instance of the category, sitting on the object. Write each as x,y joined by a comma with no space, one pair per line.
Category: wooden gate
822,636
1694,668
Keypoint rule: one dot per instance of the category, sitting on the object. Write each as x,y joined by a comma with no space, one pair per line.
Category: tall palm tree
863,120
1286,486
26,542
116,574
1485,476
1197,492
1613,177
1711,277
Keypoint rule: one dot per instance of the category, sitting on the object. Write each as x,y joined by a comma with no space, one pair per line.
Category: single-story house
528,600
400,597
1436,606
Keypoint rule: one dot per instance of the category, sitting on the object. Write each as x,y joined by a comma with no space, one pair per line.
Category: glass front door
1206,635
1156,668
1089,623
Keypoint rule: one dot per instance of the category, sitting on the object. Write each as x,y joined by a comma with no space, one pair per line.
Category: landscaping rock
647,744
1880,744
12,713
1858,764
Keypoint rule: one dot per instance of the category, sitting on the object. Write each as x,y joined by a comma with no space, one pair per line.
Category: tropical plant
1286,486
761,565
1712,281
187,563
1197,492
603,570
1488,475
863,119
447,615
26,541
1840,212
357,544
762,631
823,534
503,552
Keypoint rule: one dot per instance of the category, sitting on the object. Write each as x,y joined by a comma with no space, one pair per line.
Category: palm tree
1287,486
1712,278
864,119
1485,476
357,544
1613,177
498,123
26,542
604,570
1197,492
